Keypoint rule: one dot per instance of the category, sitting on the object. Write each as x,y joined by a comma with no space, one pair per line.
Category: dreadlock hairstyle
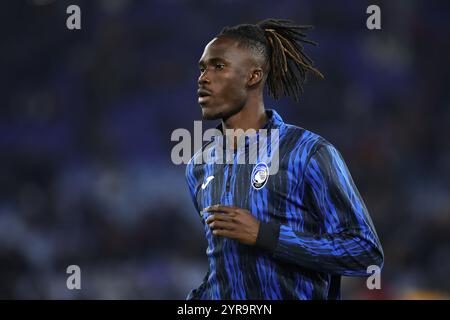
280,43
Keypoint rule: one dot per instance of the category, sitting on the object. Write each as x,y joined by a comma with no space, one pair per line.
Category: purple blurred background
86,117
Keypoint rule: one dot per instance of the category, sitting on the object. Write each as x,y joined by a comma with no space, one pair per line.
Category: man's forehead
222,47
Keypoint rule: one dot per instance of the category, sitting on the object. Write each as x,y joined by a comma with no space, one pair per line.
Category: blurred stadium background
86,117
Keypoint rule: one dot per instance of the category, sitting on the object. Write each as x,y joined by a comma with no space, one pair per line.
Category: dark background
86,116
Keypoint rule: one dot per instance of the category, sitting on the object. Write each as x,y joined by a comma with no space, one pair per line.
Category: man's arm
191,182
347,243
199,292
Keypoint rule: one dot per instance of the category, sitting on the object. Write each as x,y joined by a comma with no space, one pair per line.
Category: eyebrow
212,60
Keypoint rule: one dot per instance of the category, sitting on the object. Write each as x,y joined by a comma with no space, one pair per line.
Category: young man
285,235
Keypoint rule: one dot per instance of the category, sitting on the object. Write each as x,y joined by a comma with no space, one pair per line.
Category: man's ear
255,77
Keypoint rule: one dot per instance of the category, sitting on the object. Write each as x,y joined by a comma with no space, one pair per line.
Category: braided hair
280,43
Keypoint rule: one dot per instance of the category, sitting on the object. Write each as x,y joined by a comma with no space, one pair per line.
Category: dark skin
231,87
234,223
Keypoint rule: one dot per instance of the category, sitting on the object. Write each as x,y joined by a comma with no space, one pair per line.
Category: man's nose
203,79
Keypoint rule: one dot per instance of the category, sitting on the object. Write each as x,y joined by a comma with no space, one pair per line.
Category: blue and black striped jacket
314,228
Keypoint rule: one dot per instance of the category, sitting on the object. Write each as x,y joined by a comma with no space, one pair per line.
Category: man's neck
250,117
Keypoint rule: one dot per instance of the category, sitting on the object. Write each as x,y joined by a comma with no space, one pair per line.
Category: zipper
230,168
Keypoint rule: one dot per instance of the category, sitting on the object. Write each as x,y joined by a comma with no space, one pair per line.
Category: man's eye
202,69
220,66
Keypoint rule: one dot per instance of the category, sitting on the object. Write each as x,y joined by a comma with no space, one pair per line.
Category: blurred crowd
86,116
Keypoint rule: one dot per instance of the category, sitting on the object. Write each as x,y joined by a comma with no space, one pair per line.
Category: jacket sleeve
199,292
192,183
346,242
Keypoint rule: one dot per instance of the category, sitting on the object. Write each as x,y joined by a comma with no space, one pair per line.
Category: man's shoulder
301,139
198,157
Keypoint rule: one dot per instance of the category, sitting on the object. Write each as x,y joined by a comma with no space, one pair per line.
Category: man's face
224,70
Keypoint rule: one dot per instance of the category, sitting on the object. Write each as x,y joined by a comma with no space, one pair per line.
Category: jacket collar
275,121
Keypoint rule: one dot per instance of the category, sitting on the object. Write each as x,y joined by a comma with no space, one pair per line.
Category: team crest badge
260,175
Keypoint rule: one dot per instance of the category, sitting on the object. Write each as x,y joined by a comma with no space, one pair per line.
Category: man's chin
219,112
208,114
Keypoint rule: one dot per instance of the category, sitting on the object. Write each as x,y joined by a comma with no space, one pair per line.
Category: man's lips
203,95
